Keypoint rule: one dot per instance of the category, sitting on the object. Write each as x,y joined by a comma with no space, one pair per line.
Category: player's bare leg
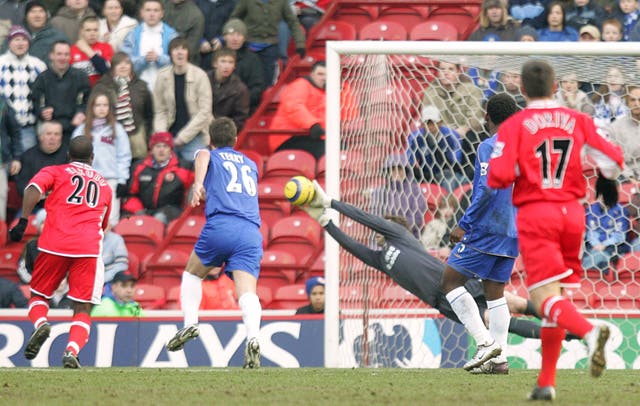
190,298
246,285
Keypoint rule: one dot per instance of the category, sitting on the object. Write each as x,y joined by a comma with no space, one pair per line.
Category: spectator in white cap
589,33
18,71
434,151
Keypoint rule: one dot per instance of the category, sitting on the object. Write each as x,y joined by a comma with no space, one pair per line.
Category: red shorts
550,235
85,276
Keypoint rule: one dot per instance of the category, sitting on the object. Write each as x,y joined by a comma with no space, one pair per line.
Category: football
299,190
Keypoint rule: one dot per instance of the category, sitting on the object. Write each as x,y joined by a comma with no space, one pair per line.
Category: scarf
124,111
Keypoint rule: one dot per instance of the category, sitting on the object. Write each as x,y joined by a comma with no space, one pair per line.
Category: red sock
551,337
561,311
38,309
79,332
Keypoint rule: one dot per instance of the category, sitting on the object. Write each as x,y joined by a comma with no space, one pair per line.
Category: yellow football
299,190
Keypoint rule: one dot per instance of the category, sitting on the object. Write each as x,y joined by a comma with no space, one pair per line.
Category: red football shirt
80,60
78,206
540,148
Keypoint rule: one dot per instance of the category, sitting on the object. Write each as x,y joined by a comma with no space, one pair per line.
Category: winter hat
235,25
123,276
526,30
17,30
312,283
164,137
34,3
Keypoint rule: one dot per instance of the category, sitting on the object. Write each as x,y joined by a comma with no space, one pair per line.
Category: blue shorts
475,264
232,241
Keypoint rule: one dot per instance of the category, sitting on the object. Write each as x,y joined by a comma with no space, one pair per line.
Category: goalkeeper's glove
608,189
17,232
317,213
320,199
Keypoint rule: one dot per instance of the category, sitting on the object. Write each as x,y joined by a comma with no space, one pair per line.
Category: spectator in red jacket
88,54
302,107
159,182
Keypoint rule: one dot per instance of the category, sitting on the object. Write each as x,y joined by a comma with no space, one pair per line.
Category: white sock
190,297
251,313
499,317
467,311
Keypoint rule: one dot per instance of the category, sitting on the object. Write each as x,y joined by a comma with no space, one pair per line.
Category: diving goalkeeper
403,258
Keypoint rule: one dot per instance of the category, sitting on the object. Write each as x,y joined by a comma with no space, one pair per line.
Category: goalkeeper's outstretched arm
377,224
358,250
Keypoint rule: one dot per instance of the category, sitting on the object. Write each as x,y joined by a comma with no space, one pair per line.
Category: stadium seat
265,232
461,191
256,158
142,234
173,298
383,30
150,297
187,234
165,270
330,31
290,297
278,268
407,16
463,18
432,192
134,265
287,163
397,297
265,295
355,296
584,296
628,267
3,233
626,190
317,268
358,15
300,236
434,30
618,295
273,205
9,257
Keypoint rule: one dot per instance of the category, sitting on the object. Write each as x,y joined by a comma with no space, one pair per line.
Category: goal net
414,118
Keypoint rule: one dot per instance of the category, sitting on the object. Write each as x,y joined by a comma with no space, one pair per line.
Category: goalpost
377,89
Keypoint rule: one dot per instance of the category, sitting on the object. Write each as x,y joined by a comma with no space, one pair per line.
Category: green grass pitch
304,386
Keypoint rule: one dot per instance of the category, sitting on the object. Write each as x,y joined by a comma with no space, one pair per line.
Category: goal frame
334,49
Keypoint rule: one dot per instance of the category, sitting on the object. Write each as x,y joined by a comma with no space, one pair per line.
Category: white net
412,121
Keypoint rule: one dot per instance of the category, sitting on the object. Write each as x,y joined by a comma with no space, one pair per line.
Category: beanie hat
164,137
35,3
312,283
526,30
17,30
235,25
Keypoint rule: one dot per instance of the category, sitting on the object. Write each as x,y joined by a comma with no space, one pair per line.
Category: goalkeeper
403,258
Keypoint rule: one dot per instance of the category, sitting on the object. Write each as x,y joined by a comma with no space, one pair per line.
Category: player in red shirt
539,148
88,54
78,203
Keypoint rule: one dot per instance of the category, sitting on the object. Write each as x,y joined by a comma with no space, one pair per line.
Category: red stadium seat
330,31
398,297
265,295
628,266
150,297
317,268
463,18
266,233
626,190
287,163
165,270
358,15
134,265
432,192
434,30
300,236
173,298
9,257
278,268
584,296
383,30
290,297
187,234
406,16
273,205
618,295
3,233
256,158
142,234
